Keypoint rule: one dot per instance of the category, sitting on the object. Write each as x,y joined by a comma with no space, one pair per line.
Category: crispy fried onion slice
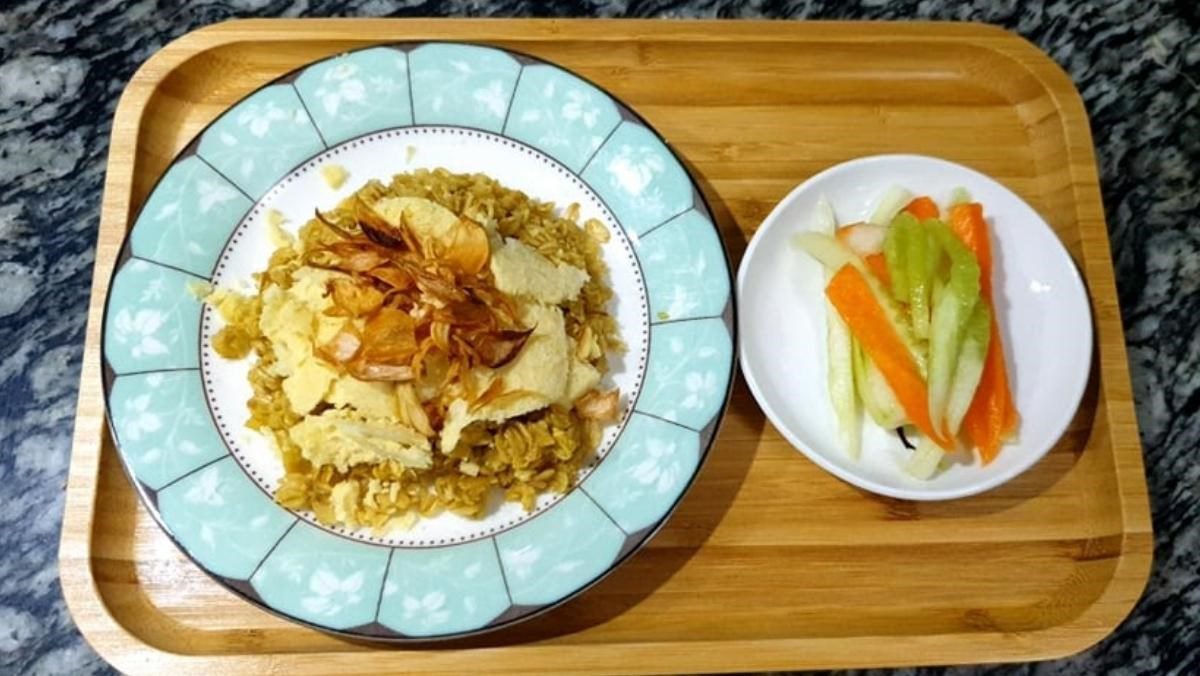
405,299
600,406
463,246
379,230
342,348
467,246
352,299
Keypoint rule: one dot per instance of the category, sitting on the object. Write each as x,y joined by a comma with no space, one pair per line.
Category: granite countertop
64,64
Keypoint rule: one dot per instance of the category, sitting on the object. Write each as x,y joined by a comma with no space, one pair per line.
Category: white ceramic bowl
1043,309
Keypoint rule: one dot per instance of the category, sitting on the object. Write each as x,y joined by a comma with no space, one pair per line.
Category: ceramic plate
178,412
1041,302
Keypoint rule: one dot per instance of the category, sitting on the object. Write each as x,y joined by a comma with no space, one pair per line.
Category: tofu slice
340,438
521,271
541,372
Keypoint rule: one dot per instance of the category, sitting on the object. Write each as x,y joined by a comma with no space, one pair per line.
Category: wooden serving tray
769,563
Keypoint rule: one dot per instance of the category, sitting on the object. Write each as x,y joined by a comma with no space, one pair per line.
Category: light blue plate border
640,179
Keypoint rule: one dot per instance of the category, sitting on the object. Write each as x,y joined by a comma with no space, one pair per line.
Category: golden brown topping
497,349
379,230
335,175
232,342
468,248
380,372
342,348
392,276
389,338
489,393
347,256
502,399
440,333
601,406
411,412
353,299
337,229
596,230
466,314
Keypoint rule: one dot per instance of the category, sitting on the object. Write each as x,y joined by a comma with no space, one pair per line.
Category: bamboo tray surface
769,563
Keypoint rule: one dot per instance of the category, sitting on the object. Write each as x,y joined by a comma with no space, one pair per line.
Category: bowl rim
1059,426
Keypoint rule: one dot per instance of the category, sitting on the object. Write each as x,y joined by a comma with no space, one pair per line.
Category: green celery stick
893,255
877,396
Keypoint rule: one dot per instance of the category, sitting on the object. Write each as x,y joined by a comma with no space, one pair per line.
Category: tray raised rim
130,652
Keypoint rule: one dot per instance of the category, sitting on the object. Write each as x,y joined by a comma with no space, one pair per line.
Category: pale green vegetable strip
971,358
841,383
939,289
824,220
924,461
893,200
841,354
827,250
892,413
947,332
893,255
921,258
917,255
877,396
954,309
959,195
964,268
860,382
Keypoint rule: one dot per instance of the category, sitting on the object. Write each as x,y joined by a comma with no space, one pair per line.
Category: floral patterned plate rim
174,413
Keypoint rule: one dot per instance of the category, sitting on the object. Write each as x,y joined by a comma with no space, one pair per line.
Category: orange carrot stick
923,208
850,293
992,416
877,264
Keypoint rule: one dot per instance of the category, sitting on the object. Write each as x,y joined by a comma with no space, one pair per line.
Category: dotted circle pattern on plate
175,411
210,324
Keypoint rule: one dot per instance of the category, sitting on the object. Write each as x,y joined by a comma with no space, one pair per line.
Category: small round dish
1041,303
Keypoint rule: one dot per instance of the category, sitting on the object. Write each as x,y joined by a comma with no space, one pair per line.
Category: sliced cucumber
891,202
971,359
924,462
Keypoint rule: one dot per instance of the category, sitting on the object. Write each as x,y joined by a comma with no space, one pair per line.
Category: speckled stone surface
63,66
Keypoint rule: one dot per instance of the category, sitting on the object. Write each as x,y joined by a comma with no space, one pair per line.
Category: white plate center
380,156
